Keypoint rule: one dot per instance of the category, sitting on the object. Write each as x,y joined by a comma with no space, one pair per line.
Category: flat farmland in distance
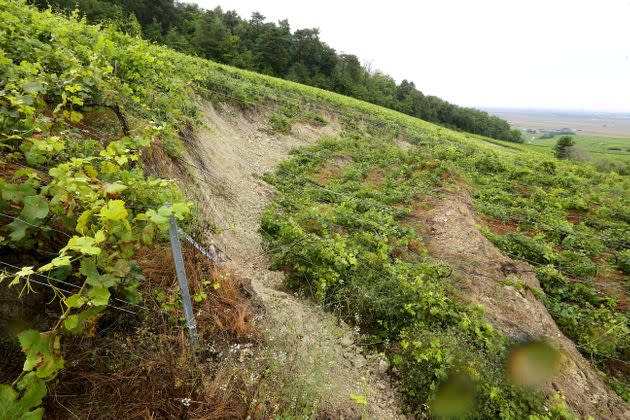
614,125
598,146
599,134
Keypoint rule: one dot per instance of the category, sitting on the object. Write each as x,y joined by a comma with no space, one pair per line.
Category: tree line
275,49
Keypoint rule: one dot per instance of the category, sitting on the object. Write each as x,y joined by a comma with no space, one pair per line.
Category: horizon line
552,109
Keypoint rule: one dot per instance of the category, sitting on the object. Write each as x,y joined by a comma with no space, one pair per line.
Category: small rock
346,341
358,362
247,352
383,366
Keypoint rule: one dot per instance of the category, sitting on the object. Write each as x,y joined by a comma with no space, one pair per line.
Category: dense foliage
74,201
342,231
276,50
353,247
571,223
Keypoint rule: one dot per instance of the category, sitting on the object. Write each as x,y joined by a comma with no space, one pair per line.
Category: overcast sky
551,54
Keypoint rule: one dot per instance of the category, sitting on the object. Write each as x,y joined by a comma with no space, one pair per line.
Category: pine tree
563,147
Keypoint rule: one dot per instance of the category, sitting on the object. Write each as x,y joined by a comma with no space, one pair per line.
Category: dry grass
225,311
143,366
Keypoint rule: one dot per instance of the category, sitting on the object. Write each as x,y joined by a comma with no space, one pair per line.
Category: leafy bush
623,261
522,246
280,123
92,205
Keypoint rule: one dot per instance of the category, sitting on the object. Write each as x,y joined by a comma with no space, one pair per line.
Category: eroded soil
235,147
452,234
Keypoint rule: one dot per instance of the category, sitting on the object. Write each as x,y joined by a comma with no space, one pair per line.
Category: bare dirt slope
452,233
227,154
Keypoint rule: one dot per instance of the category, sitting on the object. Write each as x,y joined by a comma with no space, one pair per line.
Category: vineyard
99,134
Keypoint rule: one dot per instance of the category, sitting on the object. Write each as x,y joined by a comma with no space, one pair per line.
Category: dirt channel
234,147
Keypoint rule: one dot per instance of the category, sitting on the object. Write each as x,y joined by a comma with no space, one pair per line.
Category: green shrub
623,261
280,123
587,317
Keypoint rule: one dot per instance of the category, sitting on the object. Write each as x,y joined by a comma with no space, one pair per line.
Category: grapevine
84,198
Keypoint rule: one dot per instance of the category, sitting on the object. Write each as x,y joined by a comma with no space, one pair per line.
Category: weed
280,123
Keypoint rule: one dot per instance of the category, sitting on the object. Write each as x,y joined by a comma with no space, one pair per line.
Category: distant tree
153,31
515,136
563,147
272,48
179,42
211,36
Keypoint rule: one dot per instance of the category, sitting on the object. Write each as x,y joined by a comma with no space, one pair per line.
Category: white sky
553,54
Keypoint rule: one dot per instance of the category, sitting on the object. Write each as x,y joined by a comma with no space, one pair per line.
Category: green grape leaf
147,234
83,244
88,268
34,389
24,272
73,116
114,210
144,141
17,229
36,414
88,316
71,322
93,277
35,208
60,261
75,301
8,396
99,236
40,350
99,296
82,222
114,188
107,280
17,192
121,268
27,172
180,210
33,87
13,408
159,220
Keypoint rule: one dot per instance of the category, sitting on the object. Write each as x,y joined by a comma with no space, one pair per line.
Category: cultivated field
601,135
591,124
597,146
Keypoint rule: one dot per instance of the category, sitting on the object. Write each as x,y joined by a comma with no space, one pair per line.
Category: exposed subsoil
234,148
452,233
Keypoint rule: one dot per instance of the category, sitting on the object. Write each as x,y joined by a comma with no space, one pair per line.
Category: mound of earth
452,233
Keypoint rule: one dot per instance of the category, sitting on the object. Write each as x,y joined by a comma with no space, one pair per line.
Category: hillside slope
437,251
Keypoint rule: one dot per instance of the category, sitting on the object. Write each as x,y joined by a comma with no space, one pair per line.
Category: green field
596,146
